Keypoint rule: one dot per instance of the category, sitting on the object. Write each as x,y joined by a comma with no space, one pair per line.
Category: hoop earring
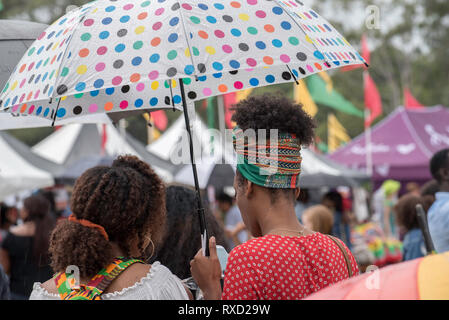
152,245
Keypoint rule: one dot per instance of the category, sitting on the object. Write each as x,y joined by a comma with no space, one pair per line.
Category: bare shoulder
129,277
23,230
50,286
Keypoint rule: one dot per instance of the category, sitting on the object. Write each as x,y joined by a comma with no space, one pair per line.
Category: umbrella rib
293,75
188,43
171,93
300,27
56,112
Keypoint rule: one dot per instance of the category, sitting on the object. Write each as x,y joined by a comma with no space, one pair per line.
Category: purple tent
402,145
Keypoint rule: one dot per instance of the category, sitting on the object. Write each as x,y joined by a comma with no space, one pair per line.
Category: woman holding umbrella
284,260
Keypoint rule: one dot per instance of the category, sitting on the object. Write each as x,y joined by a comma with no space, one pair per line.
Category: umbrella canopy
425,278
94,57
73,142
10,121
15,38
21,169
402,144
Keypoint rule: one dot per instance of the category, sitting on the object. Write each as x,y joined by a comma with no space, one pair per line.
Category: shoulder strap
66,283
345,254
103,279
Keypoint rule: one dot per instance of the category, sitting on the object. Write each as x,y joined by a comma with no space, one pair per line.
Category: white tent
20,169
316,171
173,145
211,171
74,142
214,157
216,161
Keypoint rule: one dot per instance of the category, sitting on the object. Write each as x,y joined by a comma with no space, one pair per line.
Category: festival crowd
124,234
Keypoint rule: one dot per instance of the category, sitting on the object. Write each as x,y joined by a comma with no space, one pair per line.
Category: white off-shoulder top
159,284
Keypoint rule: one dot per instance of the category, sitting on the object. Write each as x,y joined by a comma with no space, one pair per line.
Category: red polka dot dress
276,267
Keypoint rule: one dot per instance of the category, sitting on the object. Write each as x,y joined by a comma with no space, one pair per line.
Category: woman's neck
117,251
279,219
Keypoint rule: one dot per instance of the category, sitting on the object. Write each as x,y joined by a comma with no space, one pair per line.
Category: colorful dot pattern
115,55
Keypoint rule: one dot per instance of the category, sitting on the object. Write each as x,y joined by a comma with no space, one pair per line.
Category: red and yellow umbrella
425,278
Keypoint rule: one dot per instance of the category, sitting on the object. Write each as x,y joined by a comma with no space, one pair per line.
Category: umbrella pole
200,208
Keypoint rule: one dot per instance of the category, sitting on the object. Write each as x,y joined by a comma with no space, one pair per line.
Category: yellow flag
152,133
156,134
302,96
243,94
327,80
336,133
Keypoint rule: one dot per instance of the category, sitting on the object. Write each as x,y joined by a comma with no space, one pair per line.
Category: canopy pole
368,147
200,208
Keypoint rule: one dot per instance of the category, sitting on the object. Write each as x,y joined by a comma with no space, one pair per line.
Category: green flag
322,94
1,5
211,112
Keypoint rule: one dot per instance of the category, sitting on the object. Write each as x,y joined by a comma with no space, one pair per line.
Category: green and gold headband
273,164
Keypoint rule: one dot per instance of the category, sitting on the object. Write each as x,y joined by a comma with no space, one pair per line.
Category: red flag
366,54
410,102
229,100
160,119
373,101
104,139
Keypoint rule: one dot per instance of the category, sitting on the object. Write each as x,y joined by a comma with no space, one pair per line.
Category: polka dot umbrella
120,55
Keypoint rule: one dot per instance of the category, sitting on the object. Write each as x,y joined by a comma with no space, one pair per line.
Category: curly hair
269,112
127,199
182,238
439,160
405,210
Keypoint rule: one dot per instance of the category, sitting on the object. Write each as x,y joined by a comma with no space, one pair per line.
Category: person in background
406,218
318,218
438,215
430,188
234,227
118,220
24,252
341,229
391,190
4,285
8,218
284,260
182,237
302,203
50,196
413,188
62,203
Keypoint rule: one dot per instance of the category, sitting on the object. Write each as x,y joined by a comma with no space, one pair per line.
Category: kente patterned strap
271,166
66,284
